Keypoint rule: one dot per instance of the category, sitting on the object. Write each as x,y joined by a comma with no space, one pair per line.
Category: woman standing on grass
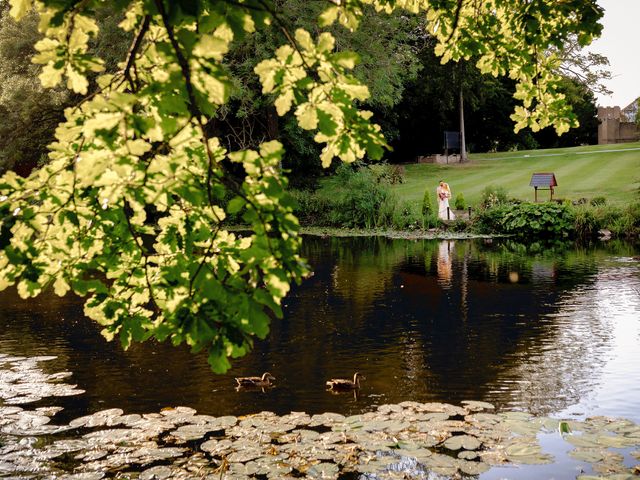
444,194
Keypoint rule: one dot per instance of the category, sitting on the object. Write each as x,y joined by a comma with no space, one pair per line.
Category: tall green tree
129,210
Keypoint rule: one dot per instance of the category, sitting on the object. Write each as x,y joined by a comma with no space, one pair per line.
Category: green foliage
427,206
598,201
458,225
311,208
493,196
585,223
129,211
391,174
363,200
528,220
459,202
30,113
406,216
622,222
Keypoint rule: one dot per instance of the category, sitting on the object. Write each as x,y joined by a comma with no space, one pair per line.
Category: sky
619,43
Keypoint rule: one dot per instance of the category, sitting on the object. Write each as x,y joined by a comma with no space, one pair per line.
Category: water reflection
422,320
445,267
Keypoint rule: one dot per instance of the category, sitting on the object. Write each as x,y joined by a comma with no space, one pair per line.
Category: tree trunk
463,146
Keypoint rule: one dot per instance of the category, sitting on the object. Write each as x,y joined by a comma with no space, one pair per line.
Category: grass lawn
612,171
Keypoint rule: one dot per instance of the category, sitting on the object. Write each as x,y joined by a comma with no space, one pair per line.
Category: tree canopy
132,206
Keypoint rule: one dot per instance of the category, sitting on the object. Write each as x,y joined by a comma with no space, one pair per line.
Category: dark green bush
598,201
627,224
406,216
427,206
460,203
458,225
531,221
586,224
391,174
360,201
310,207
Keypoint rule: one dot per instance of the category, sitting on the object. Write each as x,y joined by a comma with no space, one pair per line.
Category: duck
264,381
344,384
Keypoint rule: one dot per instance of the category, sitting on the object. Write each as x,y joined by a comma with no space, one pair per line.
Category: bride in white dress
444,194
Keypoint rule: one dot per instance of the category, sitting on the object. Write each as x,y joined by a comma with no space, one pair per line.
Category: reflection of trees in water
464,327
491,324
145,377
501,339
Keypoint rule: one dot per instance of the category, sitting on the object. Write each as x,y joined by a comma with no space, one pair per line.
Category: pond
549,330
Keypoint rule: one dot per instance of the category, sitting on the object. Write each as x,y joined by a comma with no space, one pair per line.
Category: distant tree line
414,97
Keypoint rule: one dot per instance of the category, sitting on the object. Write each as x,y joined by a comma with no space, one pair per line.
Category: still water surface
554,333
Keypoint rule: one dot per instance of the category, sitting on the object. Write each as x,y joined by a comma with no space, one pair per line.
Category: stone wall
614,127
439,159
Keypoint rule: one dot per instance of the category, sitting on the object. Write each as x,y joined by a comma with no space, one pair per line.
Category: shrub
391,174
427,208
458,225
598,201
627,224
406,216
539,220
529,220
493,196
488,220
360,200
460,203
586,225
310,207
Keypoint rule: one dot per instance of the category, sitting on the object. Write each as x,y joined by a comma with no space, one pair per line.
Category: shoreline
432,234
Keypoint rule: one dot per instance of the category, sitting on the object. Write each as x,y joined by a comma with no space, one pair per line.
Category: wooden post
535,192
448,213
551,188
469,212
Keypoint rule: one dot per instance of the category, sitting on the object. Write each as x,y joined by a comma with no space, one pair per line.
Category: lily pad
473,468
324,470
476,406
462,441
467,455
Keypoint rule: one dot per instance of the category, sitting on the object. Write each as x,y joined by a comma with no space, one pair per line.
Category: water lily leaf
245,455
217,447
390,408
585,440
473,468
527,451
99,419
324,470
420,455
610,468
84,476
462,441
327,419
591,455
616,441
439,460
621,425
475,406
437,416
521,427
467,455
160,472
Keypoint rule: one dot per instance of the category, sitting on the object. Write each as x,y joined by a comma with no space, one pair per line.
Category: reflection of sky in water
614,299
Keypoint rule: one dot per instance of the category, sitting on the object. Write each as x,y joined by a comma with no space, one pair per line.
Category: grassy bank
612,171
599,186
